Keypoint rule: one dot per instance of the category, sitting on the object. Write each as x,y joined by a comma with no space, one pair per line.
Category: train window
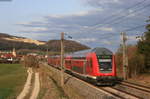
105,66
89,62
68,62
78,57
105,63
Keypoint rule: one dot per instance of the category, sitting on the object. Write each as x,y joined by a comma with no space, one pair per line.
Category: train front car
104,67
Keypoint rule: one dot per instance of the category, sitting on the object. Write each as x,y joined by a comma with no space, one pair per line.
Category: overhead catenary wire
137,10
118,19
126,30
133,28
111,18
113,34
130,29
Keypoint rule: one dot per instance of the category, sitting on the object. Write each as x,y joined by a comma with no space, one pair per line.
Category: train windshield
105,63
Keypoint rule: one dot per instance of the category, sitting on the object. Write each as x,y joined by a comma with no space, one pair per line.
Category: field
12,79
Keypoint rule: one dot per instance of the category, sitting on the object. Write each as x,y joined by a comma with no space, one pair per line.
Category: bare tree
31,61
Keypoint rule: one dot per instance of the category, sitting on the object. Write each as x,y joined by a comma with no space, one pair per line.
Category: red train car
96,65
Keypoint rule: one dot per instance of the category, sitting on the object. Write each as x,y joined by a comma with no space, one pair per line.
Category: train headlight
109,69
101,69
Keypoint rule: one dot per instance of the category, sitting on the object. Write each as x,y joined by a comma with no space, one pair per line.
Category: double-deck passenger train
95,65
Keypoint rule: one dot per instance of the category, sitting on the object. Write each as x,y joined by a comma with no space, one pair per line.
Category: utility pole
125,56
47,51
62,59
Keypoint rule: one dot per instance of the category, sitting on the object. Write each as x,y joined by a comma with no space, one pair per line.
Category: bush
31,61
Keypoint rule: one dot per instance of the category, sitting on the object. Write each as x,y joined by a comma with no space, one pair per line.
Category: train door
89,65
68,63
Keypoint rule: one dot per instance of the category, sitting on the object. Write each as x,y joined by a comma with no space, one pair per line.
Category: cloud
85,40
36,36
89,26
107,42
32,24
109,29
74,23
100,2
39,29
35,30
133,38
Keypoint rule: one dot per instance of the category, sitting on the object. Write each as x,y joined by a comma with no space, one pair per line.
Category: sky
96,23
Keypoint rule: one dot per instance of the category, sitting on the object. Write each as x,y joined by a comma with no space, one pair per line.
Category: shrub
31,61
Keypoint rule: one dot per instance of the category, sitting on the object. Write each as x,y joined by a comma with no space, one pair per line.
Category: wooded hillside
51,45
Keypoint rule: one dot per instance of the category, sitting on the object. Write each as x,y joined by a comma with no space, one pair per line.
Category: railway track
140,91
124,90
119,93
143,93
137,86
112,92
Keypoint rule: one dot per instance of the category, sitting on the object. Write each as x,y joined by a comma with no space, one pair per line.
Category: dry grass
143,79
50,87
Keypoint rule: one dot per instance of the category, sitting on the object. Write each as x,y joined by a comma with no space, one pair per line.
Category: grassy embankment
12,80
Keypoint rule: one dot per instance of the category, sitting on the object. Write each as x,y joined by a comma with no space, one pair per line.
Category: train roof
83,53
102,51
97,50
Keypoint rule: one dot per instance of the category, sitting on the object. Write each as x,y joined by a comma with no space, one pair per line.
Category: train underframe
104,80
96,80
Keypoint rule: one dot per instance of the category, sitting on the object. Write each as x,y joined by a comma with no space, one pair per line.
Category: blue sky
18,11
91,22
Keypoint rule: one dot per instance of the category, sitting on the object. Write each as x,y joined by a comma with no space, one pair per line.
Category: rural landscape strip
27,85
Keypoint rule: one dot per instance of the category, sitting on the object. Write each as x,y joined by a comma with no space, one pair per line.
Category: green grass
12,79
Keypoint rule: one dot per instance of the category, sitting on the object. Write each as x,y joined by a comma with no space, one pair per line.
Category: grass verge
12,79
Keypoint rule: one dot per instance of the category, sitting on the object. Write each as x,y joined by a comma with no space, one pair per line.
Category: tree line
138,55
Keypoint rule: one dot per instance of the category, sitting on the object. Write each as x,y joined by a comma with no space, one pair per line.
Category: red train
95,65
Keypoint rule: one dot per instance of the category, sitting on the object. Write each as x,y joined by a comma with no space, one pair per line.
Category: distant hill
8,42
69,45
7,37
